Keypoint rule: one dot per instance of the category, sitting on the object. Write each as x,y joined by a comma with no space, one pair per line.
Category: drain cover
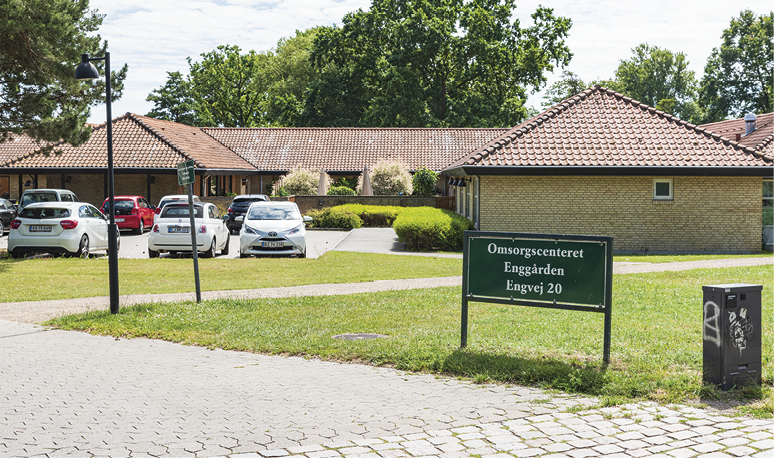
362,336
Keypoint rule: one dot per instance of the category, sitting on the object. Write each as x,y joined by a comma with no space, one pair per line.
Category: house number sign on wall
569,272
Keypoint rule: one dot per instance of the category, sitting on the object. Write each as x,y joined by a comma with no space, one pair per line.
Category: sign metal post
186,177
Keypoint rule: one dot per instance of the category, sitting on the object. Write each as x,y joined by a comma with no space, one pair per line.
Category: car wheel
153,253
211,252
302,255
2,228
140,228
224,251
242,255
83,249
15,254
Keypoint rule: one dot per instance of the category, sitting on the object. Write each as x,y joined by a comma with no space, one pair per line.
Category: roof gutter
122,170
608,171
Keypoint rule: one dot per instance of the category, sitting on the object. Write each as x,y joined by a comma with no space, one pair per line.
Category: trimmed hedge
430,229
421,228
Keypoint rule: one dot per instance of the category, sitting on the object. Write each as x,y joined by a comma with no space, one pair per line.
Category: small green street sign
567,272
185,173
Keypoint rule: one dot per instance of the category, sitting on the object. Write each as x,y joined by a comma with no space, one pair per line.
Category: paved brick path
73,394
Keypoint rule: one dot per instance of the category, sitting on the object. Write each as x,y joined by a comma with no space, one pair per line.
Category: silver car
273,229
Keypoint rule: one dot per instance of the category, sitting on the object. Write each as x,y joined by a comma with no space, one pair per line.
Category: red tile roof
16,146
138,142
761,138
350,149
601,128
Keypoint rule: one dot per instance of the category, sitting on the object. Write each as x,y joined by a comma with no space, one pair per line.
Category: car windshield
46,212
164,202
34,197
273,213
179,211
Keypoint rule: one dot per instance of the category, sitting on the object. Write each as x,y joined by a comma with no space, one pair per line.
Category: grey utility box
732,334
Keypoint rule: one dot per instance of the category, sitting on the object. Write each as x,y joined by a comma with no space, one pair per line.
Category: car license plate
272,244
177,230
119,220
40,228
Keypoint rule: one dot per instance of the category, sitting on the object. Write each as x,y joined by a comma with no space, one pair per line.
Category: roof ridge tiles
163,138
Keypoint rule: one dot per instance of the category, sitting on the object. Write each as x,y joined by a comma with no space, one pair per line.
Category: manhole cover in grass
361,336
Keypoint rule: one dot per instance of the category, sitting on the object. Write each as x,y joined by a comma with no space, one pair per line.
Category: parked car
174,198
7,214
172,230
71,228
239,207
132,212
32,196
274,229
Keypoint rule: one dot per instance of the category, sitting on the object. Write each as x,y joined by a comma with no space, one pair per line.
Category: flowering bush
301,182
388,178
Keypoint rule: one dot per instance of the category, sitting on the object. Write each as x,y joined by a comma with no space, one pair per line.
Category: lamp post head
85,70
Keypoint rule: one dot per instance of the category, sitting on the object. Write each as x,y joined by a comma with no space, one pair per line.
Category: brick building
600,163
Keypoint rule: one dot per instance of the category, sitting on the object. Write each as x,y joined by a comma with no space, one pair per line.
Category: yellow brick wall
708,214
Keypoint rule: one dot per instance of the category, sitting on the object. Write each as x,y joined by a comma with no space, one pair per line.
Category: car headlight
249,229
296,229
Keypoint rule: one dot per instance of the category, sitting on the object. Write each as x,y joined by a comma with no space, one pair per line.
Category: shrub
430,229
424,181
335,218
375,215
341,191
301,182
388,178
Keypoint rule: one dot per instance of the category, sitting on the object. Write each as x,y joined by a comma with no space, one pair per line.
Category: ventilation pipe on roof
749,123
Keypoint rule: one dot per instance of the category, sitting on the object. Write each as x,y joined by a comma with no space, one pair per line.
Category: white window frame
670,181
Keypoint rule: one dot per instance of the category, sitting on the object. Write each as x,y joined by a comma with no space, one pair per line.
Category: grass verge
656,345
43,279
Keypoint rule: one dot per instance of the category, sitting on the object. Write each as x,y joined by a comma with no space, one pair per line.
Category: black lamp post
87,71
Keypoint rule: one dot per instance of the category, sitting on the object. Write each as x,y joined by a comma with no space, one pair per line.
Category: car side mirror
307,219
239,218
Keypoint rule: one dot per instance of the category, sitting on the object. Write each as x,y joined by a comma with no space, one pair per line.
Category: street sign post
568,272
186,177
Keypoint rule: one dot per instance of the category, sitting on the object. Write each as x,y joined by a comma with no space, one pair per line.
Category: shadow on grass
572,377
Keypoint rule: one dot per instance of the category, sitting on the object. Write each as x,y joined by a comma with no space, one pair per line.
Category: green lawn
656,343
63,278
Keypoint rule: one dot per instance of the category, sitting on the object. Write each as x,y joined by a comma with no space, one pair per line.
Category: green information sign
569,272
185,173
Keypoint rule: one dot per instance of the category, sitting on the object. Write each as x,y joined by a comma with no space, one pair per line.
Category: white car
172,198
70,228
273,229
172,230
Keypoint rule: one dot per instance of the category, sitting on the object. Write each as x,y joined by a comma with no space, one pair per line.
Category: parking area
136,246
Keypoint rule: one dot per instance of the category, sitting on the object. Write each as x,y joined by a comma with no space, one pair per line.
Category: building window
768,203
662,189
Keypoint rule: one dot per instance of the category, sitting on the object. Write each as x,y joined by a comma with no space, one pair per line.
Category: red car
132,212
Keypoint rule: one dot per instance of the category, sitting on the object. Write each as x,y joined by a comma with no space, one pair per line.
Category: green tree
41,42
289,73
424,181
738,76
174,101
660,78
567,86
230,88
432,63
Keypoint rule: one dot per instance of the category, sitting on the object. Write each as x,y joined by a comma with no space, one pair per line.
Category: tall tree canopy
41,42
235,89
174,101
229,87
739,75
660,78
565,87
433,63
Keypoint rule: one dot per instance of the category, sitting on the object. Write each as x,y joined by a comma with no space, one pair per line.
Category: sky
155,37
